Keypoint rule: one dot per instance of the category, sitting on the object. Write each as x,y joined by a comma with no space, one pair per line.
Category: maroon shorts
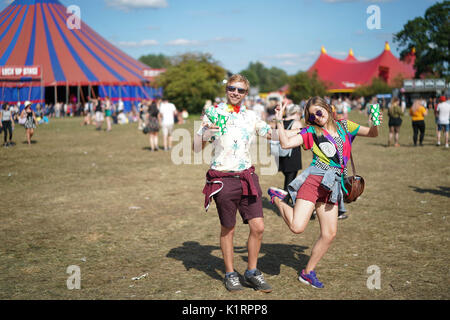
230,199
311,190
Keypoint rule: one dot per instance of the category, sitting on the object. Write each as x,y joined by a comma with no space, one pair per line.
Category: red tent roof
346,75
34,33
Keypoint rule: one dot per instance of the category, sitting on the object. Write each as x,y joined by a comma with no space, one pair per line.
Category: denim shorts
444,127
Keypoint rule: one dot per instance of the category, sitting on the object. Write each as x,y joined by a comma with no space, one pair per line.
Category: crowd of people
396,108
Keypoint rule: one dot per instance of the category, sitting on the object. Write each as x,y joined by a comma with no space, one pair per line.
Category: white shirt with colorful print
232,149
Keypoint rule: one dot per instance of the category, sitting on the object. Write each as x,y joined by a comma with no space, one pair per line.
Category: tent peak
350,52
387,47
323,50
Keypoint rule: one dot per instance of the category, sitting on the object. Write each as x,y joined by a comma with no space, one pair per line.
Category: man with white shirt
168,113
443,123
233,182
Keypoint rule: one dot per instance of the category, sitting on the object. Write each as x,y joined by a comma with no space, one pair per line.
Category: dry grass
104,202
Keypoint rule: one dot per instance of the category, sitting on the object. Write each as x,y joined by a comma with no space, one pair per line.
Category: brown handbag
354,185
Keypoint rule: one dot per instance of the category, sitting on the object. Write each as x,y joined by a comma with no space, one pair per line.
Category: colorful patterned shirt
232,149
331,152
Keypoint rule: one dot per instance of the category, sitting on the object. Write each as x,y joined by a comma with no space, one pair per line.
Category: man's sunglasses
233,89
313,116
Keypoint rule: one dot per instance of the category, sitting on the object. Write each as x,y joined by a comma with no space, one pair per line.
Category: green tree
304,85
265,79
156,61
191,80
429,35
378,86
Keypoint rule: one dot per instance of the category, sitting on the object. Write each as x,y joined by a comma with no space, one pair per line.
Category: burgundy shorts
311,190
230,199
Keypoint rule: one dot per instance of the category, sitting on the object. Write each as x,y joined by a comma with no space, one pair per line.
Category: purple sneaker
275,192
310,279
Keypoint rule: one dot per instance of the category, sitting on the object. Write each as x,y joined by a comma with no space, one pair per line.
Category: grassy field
103,202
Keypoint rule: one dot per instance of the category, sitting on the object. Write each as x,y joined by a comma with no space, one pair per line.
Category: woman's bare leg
328,217
296,218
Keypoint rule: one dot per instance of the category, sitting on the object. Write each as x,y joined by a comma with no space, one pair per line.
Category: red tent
346,75
38,50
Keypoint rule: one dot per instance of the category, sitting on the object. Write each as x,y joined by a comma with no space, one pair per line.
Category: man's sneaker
275,192
257,282
310,279
232,282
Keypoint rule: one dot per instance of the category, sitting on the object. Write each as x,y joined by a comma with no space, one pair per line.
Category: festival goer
321,186
168,113
260,109
443,115
153,125
108,113
290,165
30,122
418,113
233,182
7,124
99,117
395,114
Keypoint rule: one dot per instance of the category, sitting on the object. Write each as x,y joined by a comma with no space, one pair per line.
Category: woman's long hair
318,101
416,105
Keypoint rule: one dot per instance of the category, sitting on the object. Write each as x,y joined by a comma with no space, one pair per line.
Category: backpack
276,149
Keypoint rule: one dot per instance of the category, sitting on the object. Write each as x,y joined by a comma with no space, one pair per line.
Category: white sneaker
446,145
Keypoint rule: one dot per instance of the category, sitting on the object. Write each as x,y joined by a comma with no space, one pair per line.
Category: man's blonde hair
238,78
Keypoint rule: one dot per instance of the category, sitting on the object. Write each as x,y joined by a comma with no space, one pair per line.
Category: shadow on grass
272,256
268,205
440,191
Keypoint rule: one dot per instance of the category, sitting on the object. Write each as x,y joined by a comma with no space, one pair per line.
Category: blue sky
287,34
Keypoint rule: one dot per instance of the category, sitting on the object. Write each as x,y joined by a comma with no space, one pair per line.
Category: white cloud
138,4
190,43
137,44
226,39
183,42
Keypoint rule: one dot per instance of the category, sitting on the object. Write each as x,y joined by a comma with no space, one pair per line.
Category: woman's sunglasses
233,89
313,116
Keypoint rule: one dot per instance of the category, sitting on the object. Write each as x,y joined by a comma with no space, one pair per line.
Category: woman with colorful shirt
321,186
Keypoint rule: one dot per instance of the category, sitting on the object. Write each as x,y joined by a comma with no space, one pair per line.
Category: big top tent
39,51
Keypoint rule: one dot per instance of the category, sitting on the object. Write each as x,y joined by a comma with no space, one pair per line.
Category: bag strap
353,164
351,153
290,125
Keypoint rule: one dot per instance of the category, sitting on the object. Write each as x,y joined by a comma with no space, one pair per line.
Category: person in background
168,113
153,124
443,115
259,109
108,113
418,113
99,117
290,165
395,114
7,124
30,121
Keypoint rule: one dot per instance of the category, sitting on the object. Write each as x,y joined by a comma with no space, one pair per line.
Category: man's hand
209,132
